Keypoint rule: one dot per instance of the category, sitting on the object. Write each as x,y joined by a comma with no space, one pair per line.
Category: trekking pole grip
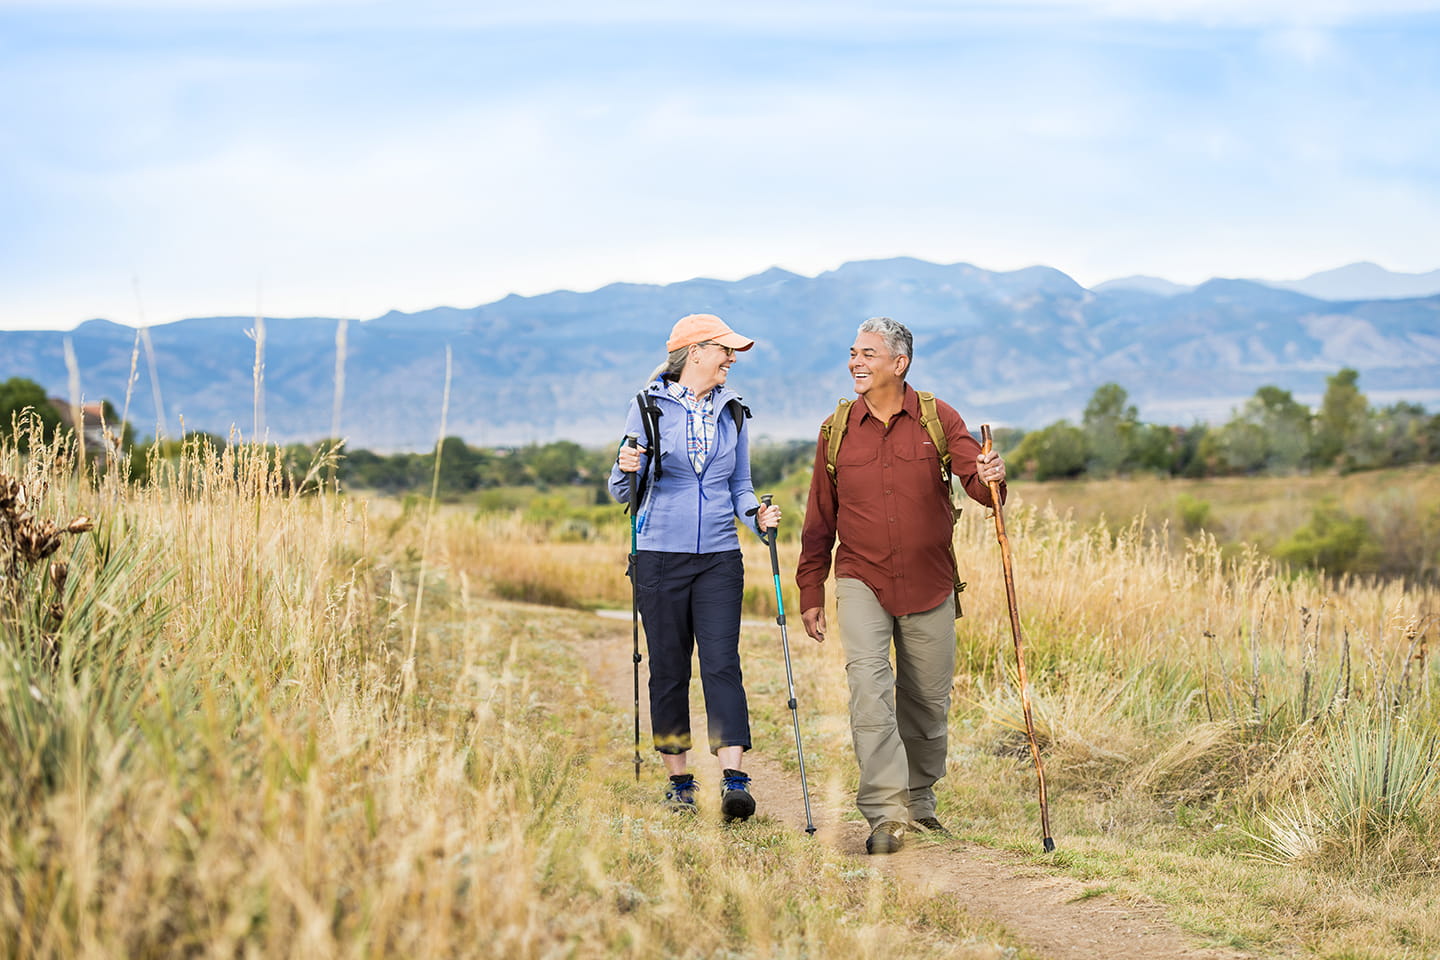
773,541
632,440
767,537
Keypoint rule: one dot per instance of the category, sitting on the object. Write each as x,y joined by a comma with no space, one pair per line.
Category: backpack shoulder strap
930,420
650,418
833,430
738,412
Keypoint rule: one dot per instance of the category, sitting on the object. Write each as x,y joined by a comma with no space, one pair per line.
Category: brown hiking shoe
931,825
887,837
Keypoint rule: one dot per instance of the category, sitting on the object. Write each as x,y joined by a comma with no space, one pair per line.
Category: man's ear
902,365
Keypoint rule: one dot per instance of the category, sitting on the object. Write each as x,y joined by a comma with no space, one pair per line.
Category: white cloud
345,184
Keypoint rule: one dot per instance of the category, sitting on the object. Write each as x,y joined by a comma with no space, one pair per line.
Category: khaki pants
898,714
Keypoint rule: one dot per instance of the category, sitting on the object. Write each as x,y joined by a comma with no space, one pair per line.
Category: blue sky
160,160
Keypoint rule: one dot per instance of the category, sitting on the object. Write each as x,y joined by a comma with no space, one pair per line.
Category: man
895,577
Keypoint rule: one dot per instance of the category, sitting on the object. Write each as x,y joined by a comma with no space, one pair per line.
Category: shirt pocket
857,473
855,455
919,473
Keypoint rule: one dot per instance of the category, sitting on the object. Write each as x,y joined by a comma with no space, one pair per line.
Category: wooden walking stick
994,486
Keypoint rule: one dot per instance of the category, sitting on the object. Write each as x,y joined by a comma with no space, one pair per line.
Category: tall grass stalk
430,516
76,398
162,426
341,348
257,377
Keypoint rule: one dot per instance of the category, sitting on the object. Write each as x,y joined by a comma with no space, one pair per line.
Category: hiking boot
887,837
735,800
932,826
680,798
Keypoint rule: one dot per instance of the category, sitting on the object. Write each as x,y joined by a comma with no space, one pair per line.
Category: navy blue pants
691,601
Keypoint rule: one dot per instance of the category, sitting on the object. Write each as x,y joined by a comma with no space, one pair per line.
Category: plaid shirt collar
699,422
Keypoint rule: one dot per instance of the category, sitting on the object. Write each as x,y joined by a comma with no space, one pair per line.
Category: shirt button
892,519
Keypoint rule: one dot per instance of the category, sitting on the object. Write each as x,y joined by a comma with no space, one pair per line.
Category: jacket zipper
700,479
700,485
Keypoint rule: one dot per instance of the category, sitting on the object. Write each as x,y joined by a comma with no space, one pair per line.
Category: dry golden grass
252,746
286,725
1401,506
1189,694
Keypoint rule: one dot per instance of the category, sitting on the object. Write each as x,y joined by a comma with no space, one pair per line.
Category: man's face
873,366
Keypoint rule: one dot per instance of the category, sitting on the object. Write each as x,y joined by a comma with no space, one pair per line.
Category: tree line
27,412
1271,433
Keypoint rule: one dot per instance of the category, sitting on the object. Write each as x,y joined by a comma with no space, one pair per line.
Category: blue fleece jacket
682,512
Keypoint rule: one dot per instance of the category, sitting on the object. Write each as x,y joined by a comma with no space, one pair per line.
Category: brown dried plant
27,540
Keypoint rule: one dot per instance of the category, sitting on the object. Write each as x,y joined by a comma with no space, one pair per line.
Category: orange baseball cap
703,327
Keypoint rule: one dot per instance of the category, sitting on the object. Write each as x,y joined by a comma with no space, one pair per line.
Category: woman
688,570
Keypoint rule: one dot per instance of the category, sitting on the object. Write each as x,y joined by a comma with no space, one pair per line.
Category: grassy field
247,722
1397,512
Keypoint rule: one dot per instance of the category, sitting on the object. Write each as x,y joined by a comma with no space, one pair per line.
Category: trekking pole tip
1049,845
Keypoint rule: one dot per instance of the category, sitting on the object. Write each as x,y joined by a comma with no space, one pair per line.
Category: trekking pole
789,676
631,440
994,486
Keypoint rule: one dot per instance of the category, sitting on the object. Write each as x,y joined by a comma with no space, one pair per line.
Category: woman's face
708,365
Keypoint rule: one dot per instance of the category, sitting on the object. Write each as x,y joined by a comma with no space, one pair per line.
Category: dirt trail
1047,911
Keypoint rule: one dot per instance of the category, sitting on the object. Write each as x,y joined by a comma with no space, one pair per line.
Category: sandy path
1045,910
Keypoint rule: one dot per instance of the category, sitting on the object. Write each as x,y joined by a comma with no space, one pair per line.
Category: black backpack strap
650,420
650,416
738,412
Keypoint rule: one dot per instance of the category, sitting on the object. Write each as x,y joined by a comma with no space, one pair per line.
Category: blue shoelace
737,783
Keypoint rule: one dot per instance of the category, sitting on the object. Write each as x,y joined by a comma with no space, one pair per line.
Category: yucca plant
1377,775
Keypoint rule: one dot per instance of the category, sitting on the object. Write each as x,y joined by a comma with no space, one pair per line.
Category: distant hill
1021,348
1365,281
1356,281
1144,284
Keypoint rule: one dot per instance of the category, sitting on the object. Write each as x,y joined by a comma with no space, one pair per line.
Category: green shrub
1059,450
1333,541
1194,512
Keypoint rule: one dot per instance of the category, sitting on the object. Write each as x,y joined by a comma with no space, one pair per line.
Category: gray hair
895,334
674,363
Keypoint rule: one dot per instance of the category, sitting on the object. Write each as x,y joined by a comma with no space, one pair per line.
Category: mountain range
1019,348
1355,281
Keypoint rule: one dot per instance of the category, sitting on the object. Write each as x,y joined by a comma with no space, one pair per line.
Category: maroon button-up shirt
888,507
